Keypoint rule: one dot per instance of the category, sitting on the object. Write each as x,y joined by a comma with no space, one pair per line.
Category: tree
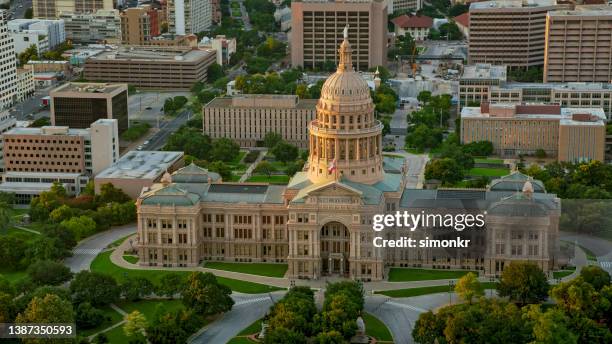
50,309
173,327
12,251
225,149
191,141
457,10
272,139
595,276
264,167
222,168
45,248
424,97
549,327
205,296
94,287
109,193
135,324
579,297
5,216
445,170
6,287
331,337
46,272
87,316
102,338
428,328
82,226
478,148
62,213
283,335
540,153
215,72
285,152
135,288
171,284
7,307
469,287
30,54
422,136
523,282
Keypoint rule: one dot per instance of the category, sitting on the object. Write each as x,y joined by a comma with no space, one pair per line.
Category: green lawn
274,179
12,276
261,269
410,292
589,254
130,259
488,172
114,317
240,340
488,161
375,328
410,274
116,336
21,234
562,273
149,307
241,337
119,241
102,263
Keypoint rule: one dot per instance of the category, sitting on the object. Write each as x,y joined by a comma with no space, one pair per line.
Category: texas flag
332,167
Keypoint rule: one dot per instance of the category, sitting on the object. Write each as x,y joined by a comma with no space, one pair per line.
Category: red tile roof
463,19
405,21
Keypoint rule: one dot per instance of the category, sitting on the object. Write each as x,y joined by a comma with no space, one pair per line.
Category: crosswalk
86,251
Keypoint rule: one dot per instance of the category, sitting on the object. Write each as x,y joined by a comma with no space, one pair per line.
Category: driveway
86,250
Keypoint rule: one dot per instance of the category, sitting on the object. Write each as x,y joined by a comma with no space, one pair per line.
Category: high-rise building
406,5
139,25
25,83
247,119
78,105
51,9
189,16
102,26
509,32
316,32
7,122
225,47
8,65
579,45
569,134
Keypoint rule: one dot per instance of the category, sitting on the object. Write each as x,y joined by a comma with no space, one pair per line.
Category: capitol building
320,224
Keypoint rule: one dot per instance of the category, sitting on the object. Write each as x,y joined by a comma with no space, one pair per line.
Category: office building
25,84
247,119
509,32
139,25
487,83
102,26
53,29
78,105
316,32
417,26
189,16
7,122
51,9
225,48
406,5
320,224
168,68
8,66
137,170
569,134
579,45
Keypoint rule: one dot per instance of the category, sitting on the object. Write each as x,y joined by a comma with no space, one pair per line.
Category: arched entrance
335,249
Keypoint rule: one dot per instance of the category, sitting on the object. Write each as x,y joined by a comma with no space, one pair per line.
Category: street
19,8
158,140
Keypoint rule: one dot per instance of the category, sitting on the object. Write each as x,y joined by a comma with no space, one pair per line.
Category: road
19,12
602,248
247,309
157,141
22,110
86,250
245,17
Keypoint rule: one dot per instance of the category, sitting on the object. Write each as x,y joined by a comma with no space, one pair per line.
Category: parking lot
148,106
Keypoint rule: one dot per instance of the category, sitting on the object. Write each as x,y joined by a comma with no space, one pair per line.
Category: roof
515,182
463,19
89,87
194,174
484,5
171,195
141,165
410,21
485,71
565,117
154,53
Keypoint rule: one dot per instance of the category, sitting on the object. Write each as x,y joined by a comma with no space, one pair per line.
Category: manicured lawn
410,292
261,269
409,274
131,259
102,263
488,172
114,317
253,328
488,161
119,241
240,340
274,179
149,307
21,234
375,328
12,276
562,273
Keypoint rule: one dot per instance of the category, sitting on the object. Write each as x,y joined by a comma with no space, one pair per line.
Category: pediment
336,189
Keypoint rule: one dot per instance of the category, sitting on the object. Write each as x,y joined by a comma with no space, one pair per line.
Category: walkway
247,174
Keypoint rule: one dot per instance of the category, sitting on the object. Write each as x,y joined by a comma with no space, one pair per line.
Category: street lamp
451,286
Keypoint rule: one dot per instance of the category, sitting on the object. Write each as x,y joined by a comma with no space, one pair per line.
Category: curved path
87,249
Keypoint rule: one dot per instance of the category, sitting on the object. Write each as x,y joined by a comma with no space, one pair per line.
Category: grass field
425,290
562,273
119,241
102,263
114,317
409,274
488,161
375,328
12,276
274,179
488,172
240,340
130,259
261,269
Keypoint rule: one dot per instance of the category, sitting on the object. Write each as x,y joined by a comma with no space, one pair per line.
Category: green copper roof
171,195
194,174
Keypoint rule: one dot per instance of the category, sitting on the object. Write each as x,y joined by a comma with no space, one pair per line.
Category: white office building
189,16
8,65
53,31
